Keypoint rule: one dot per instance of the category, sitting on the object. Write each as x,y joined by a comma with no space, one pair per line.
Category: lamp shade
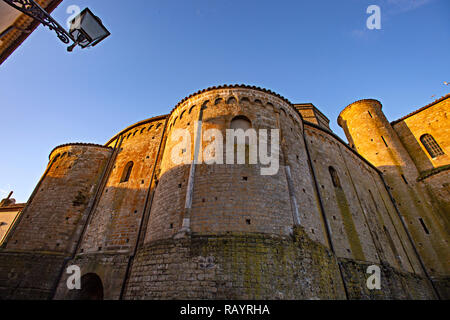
87,29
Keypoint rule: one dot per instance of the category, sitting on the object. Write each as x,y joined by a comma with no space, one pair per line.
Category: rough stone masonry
141,227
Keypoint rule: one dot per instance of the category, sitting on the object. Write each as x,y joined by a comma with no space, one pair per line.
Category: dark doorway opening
91,288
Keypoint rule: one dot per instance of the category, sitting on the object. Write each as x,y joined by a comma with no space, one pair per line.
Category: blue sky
161,51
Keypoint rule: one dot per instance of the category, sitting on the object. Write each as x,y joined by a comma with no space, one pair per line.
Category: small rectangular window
424,226
384,141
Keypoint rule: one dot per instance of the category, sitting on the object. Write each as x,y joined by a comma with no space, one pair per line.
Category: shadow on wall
426,222
169,223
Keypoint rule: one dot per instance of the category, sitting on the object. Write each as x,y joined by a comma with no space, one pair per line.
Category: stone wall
54,217
433,120
109,267
364,224
235,266
395,285
221,192
117,216
51,224
28,276
438,185
8,214
160,229
374,138
258,266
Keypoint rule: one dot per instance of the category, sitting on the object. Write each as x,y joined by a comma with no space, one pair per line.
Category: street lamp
86,29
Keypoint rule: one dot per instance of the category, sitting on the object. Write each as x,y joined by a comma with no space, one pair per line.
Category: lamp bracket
34,10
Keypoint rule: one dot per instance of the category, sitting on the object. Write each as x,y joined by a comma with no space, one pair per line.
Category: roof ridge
78,144
231,86
422,108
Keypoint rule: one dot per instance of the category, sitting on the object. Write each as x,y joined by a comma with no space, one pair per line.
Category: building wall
374,138
28,275
235,266
311,114
53,218
17,21
116,219
7,217
438,185
223,230
433,120
119,210
363,233
50,226
221,192
364,225
434,173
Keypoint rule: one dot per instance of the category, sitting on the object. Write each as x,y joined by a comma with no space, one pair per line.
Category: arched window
334,177
56,158
250,142
231,100
431,145
127,172
240,122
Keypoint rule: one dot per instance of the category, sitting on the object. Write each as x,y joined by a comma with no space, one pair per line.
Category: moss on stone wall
235,266
257,266
394,284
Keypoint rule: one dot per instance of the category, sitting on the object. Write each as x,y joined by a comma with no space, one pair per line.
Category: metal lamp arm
34,10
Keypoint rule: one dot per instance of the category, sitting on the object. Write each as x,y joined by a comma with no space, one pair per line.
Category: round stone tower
51,224
221,230
370,133
60,200
214,197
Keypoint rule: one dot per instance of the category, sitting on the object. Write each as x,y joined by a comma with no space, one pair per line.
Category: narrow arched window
431,145
246,148
334,177
240,122
127,172
231,100
56,158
